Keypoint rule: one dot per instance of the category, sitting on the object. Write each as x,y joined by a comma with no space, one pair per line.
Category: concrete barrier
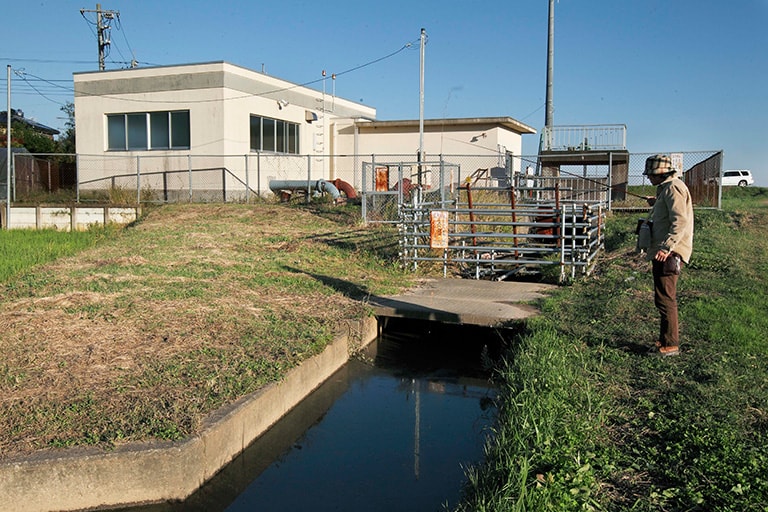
69,218
89,478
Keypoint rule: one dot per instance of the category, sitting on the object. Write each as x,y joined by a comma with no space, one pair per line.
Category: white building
226,122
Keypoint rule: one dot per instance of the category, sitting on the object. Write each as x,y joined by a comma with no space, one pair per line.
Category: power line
56,61
404,47
60,89
274,91
529,115
46,61
21,74
125,37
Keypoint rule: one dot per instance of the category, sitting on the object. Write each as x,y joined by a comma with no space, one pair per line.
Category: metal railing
489,233
603,137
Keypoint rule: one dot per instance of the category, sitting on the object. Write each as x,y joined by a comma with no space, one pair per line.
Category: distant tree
25,136
66,140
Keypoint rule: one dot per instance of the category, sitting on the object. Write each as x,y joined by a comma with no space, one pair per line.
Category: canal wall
89,478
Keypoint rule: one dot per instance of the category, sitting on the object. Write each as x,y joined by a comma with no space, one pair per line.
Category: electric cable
275,91
50,82
529,115
265,93
119,26
21,74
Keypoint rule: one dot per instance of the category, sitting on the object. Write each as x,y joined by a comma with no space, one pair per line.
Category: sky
682,75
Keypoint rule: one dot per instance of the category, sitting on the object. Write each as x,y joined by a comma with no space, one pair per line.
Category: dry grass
196,305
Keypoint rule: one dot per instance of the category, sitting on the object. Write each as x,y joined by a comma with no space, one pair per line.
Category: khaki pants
665,298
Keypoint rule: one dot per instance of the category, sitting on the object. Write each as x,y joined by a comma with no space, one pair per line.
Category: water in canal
393,430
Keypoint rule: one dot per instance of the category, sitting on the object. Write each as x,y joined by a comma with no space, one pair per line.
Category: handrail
598,137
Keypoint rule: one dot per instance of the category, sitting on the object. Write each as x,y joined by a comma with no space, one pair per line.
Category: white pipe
318,185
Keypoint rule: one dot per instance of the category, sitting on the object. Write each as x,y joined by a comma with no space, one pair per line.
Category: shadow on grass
350,289
385,306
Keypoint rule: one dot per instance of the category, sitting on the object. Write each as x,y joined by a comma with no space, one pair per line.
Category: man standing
671,244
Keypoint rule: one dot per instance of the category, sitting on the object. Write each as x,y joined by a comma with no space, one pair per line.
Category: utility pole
103,20
548,117
422,44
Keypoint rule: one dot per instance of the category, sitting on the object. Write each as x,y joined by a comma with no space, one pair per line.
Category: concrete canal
392,430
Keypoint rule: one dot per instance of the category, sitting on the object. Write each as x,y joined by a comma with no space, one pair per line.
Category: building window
148,130
274,135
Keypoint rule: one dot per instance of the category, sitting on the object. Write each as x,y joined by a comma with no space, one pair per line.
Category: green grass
589,421
22,249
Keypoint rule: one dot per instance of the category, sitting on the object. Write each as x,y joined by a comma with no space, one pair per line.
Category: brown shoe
669,351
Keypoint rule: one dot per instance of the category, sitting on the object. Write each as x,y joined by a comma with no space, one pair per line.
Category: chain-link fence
133,179
387,181
700,171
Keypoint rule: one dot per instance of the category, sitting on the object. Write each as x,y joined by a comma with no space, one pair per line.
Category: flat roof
506,122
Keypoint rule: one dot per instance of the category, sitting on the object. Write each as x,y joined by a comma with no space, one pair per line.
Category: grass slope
589,421
143,334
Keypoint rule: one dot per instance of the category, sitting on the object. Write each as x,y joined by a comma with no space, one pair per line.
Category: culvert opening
394,429
410,346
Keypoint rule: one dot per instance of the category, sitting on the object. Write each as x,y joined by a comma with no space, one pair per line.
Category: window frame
284,138
138,136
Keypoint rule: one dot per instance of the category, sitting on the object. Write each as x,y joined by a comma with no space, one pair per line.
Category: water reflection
393,430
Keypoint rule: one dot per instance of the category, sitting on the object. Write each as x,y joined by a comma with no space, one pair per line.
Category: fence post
309,176
247,182
12,178
720,181
417,210
224,184
442,182
138,179
364,192
258,172
189,168
561,241
610,179
77,178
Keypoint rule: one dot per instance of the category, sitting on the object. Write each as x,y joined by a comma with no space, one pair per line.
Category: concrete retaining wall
68,218
88,478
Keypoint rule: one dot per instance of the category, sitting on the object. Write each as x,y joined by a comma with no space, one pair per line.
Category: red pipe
471,215
345,187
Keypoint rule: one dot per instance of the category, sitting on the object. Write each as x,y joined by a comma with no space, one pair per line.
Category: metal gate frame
484,237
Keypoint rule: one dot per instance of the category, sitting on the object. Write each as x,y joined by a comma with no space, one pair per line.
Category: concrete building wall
473,137
220,98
